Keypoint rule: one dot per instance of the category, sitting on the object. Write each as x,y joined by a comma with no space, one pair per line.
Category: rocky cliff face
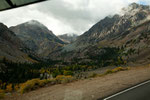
37,37
115,26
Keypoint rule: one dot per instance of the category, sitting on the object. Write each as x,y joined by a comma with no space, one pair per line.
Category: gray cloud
65,16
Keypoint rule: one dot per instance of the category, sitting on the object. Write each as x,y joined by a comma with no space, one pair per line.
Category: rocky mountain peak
134,5
140,6
134,8
32,27
34,22
37,37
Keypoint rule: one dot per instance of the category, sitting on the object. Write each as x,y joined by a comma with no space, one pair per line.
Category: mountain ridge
37,37
112,26
114,33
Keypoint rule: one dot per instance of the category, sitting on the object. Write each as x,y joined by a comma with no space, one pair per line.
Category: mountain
114,26
37,37
68,38
11,47
124,36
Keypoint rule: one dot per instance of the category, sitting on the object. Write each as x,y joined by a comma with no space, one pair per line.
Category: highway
138,92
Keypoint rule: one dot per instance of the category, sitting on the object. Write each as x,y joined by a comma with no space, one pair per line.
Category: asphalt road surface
138,92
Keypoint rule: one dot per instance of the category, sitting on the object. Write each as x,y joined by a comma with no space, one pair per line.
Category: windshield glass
7,4
74,49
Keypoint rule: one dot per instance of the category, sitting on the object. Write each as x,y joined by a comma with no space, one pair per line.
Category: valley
33,59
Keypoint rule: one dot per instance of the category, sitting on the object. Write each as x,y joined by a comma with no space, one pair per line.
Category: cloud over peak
66,16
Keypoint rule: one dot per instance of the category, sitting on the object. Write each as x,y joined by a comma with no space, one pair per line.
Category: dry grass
118,69
36,83
31,85
109,71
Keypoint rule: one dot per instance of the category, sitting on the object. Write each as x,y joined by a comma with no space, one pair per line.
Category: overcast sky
66,16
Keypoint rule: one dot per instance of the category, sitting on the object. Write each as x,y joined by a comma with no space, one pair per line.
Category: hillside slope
11,47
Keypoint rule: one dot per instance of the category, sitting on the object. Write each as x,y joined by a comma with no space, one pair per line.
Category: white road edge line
127,90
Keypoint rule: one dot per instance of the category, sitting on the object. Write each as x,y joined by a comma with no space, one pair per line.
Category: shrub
3,85
29,85
120,69
69,78
64,79
68,73
9,88
2,94
35,83
108,71
46,81
117,70
93,75
52,81
16,87
42,83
